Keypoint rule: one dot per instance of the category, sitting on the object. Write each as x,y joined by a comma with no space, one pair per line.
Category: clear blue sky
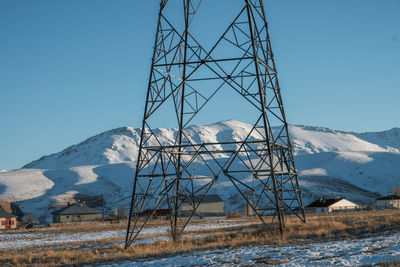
70,69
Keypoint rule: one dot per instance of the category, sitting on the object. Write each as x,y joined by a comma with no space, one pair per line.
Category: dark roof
207,199
5,214
324,202
389,197
76,208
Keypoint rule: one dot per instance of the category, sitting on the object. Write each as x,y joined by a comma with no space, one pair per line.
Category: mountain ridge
329,163
134,134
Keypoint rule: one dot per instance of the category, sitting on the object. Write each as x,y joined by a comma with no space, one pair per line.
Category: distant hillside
388,139
330,162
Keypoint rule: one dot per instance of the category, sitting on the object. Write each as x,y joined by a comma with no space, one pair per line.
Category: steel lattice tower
185,75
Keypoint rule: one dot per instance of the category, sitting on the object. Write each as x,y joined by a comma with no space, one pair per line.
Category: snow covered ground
356,252
8,241
20,240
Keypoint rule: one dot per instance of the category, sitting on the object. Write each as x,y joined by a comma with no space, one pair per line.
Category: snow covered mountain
121,145
330,162
388,139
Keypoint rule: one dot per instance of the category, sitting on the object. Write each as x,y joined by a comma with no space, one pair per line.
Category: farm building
211,205
7,220
328,205
388,202
77,212
158,213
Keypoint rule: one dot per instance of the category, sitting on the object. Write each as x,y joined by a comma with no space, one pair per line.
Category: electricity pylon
185,75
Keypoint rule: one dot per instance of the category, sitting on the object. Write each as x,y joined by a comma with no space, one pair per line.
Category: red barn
157,213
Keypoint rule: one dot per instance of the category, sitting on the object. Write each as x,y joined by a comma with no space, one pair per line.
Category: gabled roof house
328,205
77,212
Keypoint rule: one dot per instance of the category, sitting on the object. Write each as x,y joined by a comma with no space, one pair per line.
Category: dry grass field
245,231
391,264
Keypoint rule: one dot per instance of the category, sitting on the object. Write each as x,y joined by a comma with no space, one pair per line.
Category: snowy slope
25,183
114,146
330,163
121,145
388,139
308,140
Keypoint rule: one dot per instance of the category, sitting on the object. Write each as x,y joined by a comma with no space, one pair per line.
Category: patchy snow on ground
18,240
27,240
356,252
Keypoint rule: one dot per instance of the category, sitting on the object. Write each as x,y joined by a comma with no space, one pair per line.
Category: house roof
389,197
324,202
5,214
76,208
207,199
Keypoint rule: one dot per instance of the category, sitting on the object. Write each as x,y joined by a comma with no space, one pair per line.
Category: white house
328,205
388,202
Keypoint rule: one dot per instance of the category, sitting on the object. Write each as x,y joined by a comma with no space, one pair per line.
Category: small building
158,213
7,220
388,202
328,205
210,205
77,212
